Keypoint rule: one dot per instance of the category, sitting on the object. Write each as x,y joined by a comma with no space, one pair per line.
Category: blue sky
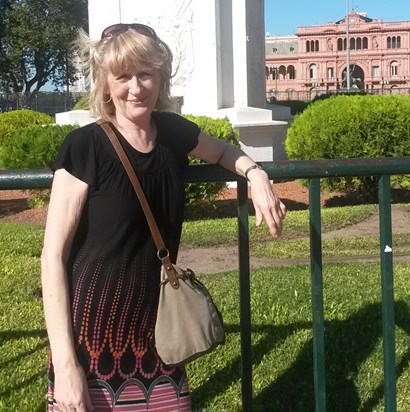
283,17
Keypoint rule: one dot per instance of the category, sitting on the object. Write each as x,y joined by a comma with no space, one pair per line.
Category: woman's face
134,93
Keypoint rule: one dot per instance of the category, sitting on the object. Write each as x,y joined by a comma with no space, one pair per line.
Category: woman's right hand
71,391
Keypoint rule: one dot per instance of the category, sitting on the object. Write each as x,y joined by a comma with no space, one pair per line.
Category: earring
109,100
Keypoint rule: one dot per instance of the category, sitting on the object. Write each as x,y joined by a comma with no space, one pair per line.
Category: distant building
314,60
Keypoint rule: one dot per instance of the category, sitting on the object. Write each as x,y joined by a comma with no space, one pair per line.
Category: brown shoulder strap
162,251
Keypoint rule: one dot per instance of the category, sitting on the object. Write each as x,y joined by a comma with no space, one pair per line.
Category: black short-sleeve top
112,218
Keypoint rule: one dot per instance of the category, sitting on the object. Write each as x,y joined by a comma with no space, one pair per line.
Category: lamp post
347,48
276,81
383,83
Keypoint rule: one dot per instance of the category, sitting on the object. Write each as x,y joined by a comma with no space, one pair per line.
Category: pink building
314,61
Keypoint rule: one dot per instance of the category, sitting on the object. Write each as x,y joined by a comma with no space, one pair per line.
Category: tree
35,42
4,4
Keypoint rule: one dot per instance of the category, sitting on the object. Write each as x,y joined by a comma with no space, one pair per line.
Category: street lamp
276,73
383,83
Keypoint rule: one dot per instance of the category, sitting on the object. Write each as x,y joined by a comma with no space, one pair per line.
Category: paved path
221,259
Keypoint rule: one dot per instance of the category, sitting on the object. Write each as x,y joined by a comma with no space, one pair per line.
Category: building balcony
390,79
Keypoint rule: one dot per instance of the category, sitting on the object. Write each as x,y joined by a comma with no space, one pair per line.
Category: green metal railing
382,168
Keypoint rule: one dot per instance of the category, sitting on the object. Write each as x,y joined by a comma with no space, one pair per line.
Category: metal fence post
245,298
386,260
317,295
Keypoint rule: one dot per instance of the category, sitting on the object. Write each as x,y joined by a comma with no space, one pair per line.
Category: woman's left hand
266,202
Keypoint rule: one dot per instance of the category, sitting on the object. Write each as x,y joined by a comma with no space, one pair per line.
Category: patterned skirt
162,396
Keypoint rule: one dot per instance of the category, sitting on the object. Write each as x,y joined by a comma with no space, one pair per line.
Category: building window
394,42
365,43
282,72
339,44
358,43
313,71
375,71
312,46
394,68
291,72
271,73
330,72
352,44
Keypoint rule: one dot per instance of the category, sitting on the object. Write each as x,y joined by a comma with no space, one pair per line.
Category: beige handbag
188,323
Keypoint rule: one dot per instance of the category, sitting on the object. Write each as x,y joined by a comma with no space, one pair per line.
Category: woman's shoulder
170,118
78,153
83,135
174,124
84,132
176,132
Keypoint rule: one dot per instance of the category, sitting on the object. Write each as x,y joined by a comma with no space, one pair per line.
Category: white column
249,53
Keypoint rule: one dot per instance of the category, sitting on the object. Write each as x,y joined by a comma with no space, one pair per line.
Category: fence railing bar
386,261
278,170
302,169
316,267
25,179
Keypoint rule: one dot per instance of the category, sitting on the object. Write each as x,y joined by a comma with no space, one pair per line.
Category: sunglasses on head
117,29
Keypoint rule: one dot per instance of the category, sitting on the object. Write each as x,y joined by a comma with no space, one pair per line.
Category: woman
100,272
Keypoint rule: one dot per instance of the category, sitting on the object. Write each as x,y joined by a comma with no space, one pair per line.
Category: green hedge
13,122
35,147
83,103
296,106
199,193
352,127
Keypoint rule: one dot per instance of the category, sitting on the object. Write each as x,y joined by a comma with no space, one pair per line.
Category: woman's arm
68,197
266,202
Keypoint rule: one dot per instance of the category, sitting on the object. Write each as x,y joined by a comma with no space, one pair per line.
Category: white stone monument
219,61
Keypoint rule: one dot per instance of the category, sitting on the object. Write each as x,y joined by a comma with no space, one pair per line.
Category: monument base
80,117
260,137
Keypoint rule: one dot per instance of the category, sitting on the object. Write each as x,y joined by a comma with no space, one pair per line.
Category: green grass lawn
281,331
219,232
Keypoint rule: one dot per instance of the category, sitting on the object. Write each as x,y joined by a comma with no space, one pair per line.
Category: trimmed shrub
352,127
199,193
354,92
296,106
83,103
13,122
34,147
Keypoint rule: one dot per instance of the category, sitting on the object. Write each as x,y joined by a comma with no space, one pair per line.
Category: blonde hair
117,53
